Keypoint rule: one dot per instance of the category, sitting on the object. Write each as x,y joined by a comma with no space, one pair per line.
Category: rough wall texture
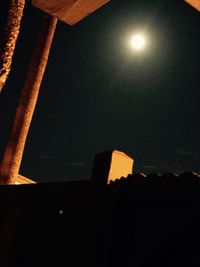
11,33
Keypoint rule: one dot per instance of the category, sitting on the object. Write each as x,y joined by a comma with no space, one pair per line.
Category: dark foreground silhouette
140,220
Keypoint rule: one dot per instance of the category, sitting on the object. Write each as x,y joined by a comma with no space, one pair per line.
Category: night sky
98,95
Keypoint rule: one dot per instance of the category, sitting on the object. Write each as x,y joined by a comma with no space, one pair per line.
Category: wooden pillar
10,164
10,38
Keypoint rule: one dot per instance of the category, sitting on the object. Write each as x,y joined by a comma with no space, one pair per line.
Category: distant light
137,42
61,212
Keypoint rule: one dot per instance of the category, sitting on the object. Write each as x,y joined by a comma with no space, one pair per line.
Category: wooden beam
194,3
69,11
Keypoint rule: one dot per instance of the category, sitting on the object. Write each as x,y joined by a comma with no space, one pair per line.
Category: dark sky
97,95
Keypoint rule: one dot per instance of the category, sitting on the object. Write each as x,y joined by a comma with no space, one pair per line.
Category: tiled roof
155,179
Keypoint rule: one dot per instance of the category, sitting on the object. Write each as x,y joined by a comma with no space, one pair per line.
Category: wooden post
12,156
11,34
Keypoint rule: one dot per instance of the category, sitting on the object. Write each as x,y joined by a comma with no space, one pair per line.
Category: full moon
137,42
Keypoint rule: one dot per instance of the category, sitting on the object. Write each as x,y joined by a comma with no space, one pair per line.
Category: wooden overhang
69,11
194,3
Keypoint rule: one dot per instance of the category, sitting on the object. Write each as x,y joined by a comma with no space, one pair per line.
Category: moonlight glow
137,42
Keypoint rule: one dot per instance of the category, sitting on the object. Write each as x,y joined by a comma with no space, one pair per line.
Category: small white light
137,42
61,212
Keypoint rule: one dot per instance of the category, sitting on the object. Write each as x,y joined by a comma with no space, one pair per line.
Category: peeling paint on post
9,167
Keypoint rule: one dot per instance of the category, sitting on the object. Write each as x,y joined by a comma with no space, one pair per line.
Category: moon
137,42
